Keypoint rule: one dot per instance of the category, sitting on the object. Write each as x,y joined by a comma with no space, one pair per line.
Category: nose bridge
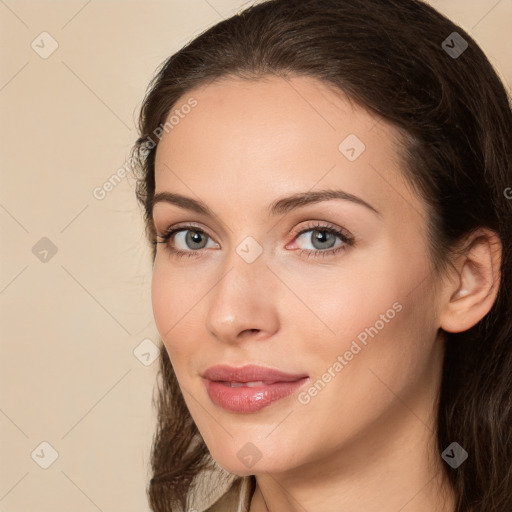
240,299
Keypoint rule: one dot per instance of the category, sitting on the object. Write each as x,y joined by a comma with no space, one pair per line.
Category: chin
250,461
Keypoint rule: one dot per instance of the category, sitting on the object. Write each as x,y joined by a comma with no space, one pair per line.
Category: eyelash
345,238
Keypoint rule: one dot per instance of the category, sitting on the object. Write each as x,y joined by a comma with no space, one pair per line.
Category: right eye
191,238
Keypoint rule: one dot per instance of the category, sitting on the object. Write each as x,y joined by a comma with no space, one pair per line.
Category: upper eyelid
318,224
322,225
184,227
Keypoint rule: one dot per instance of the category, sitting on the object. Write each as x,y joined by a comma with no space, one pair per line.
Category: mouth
250,388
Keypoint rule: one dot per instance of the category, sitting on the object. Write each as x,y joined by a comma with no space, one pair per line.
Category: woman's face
265,280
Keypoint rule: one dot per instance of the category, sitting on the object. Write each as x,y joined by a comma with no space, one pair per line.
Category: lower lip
250,399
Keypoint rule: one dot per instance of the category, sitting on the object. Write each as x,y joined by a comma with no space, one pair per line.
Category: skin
245,145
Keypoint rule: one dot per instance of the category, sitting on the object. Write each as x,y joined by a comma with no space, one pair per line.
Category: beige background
70,324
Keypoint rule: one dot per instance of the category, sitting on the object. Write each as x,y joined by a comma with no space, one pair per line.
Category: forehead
252,141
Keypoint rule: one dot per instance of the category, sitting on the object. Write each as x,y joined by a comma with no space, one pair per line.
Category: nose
242,303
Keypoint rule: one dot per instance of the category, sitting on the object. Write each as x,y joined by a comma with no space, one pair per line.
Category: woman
326,185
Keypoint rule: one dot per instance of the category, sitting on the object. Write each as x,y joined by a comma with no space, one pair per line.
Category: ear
474,283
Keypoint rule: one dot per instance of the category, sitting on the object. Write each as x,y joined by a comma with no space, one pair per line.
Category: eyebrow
278,207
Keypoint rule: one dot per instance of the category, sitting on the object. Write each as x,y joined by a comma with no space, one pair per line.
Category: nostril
251,331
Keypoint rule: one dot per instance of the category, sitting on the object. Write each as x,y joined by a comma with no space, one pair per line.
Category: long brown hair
400,60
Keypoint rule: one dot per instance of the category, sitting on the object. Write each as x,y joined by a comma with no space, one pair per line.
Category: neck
400,484
394,465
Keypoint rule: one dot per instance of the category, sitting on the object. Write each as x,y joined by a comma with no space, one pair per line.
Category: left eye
322,238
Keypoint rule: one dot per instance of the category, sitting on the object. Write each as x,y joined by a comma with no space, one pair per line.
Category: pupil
195,237
322,236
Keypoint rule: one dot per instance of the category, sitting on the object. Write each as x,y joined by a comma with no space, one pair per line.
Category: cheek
173,300
372,315
376,295
340,303
381,347
162,300
355,384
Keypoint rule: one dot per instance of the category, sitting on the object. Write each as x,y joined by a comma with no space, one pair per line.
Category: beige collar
216,489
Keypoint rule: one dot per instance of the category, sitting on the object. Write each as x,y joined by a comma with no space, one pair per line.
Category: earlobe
474,289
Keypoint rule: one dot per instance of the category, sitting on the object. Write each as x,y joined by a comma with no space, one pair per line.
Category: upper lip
249,373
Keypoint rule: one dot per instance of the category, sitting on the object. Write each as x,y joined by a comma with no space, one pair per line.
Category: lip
249,373
274,386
